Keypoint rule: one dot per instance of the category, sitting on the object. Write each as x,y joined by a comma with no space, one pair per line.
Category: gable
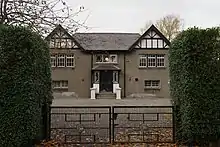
152,39
59,38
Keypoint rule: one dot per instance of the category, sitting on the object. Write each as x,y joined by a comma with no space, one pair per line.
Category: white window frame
61,57
153,84
141,59
160,60
53,60
151,60
71,58
62,84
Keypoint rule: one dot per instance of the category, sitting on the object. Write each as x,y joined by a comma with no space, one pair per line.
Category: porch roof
106,67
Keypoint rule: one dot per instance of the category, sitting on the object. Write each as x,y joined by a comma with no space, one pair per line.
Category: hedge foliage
25,81
195,84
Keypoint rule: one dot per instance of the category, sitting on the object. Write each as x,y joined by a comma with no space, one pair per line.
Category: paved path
111,102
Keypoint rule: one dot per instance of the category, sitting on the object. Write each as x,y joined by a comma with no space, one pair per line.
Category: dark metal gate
117,124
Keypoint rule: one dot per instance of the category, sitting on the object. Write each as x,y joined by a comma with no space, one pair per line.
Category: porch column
96,81
115,81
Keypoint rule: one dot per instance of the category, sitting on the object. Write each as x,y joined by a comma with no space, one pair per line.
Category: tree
39,15
194,84
25,80
169,25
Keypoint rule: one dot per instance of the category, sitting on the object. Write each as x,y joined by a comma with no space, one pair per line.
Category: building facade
118,64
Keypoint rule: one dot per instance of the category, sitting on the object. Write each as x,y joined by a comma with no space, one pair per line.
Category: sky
132,15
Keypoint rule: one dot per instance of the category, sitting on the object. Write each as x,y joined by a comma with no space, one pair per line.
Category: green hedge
195,84
25,81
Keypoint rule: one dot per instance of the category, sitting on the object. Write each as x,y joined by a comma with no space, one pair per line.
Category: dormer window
106,58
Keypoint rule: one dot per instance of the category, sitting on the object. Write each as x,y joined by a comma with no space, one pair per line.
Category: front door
106,78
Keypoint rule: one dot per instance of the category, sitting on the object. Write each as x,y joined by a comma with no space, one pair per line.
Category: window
106,58
70,61
160,61
53,60
113,58
63,84
151,60
61,60
143,61
152,84
52,43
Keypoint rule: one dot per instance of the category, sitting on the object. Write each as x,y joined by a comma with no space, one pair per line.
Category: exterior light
106,59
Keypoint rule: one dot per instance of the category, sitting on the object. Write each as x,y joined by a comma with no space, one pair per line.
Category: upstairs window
106,58
61,60
53,60
143,61
152,60
70,61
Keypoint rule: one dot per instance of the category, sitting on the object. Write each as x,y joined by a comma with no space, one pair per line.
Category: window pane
143,43
70,60
113,58
160,43
142,61
61,60
149,43
151,61
154,43
160,61
63,43
53,60
98,58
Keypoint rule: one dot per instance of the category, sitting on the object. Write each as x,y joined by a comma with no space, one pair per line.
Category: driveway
112,102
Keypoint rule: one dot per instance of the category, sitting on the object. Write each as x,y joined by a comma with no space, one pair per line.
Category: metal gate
117,124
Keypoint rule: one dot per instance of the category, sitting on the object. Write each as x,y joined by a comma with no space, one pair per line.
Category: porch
105,82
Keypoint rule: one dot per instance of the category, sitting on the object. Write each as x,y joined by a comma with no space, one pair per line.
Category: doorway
106,78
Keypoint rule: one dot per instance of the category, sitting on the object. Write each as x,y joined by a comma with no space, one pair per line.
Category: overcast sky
131,15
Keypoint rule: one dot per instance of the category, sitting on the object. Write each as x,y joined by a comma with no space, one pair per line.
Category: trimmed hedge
195,84
25,80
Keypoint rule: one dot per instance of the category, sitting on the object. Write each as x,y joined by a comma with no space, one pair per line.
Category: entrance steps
106,95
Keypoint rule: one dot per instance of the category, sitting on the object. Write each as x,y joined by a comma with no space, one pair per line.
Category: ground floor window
62,84
152,84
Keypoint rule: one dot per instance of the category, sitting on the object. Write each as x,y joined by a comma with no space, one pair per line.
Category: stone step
106,96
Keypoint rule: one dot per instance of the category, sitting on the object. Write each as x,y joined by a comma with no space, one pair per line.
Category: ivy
25,80
195,84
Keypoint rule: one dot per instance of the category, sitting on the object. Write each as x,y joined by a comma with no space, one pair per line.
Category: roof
106,41
151,28
106,67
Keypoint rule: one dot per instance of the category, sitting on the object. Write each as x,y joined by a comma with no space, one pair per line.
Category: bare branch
40,15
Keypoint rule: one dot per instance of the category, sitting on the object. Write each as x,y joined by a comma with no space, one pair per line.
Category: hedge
195,84
25,81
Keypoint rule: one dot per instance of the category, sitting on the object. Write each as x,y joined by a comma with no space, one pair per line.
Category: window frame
59,57
62,84
152,61
152,86
159,58
142,58
54,58
72,58
103,58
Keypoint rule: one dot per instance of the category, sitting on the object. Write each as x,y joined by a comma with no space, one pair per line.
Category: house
118,65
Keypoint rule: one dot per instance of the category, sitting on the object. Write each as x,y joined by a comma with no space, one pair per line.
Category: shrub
195,86
25,81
